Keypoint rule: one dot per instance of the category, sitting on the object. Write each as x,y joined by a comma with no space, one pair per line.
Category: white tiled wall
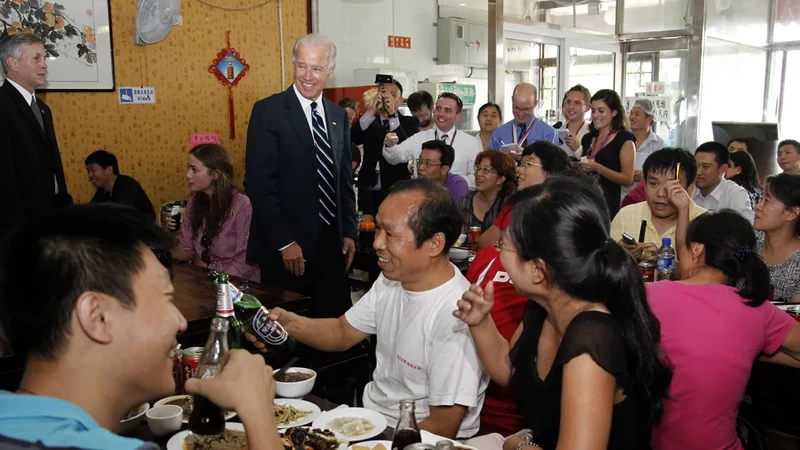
360,30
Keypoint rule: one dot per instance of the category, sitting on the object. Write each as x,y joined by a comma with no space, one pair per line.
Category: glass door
668,67
535,60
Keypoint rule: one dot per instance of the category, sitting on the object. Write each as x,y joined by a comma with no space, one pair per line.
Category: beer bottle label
236,294
224,303
270,331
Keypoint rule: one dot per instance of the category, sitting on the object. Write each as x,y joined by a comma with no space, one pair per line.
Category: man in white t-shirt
423,352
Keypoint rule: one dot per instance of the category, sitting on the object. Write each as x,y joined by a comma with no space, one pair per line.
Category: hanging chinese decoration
230,68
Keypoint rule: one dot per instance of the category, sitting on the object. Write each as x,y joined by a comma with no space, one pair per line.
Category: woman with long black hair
742,171
714,323
586,360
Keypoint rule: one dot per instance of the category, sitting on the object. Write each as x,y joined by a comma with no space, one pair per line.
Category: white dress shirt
28,96
306,104
464,144
581,133
726,195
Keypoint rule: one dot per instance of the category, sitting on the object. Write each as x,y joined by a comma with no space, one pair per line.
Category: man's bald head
524,101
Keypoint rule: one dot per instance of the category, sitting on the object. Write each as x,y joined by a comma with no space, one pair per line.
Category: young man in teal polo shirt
86,300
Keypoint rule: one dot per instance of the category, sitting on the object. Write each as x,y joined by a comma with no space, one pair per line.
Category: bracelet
528,443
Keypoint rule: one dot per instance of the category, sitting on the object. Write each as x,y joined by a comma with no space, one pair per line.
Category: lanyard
602,144
452,139
524,136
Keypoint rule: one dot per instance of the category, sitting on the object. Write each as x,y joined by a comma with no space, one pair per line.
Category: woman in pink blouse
715,323
216,225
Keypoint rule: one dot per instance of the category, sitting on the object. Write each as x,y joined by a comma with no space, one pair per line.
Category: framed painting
77,39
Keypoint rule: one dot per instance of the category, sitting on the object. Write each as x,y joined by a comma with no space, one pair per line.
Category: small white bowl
164,419
128,425
297,389
458,254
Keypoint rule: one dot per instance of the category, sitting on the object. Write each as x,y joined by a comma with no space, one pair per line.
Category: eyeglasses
205,242
520,109
528,163
484,170
499,246
423,163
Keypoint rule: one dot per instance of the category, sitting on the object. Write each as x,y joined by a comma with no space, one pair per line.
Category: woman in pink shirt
216,225
715,323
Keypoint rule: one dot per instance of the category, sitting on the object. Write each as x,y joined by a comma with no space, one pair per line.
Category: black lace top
592,332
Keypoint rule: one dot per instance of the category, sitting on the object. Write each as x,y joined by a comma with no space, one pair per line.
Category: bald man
524,128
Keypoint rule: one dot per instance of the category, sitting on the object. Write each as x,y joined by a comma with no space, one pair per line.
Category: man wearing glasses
524,129
434,164
447,113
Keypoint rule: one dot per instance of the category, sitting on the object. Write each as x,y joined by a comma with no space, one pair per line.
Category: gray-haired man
299,179
31,172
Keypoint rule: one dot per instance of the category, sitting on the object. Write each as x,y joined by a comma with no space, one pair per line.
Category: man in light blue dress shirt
525,128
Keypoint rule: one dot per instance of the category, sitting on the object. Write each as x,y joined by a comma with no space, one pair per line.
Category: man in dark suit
381,117
299,179
31,174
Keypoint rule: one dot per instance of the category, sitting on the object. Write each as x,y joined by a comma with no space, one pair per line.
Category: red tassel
230,110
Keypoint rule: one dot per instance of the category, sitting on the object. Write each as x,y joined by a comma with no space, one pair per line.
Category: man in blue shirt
86,301
524,129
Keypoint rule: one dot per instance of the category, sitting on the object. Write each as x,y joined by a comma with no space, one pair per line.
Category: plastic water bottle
666,260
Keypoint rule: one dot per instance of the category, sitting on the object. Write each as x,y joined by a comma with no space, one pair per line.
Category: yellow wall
151,141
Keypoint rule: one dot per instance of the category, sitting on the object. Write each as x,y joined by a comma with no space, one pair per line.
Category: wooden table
196,298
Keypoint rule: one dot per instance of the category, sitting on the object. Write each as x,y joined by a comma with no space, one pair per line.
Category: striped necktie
327,211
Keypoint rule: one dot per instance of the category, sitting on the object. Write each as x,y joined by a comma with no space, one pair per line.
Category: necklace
26,391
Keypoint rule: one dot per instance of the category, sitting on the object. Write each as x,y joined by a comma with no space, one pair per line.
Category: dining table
142,431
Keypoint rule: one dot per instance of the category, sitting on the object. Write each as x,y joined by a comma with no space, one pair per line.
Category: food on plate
134,412
285,414
307,439
350,426
364,447
184,402
294,377
230,440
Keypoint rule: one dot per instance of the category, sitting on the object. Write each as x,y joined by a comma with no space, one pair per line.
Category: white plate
375,417
176,442
301,405
228,416
372,444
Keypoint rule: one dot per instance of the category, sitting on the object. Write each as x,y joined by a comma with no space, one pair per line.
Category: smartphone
509,148
626,238
562,135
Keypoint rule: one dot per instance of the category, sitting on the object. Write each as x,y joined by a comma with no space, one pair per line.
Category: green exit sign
466,92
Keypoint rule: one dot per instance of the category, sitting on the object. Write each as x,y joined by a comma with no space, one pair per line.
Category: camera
382,80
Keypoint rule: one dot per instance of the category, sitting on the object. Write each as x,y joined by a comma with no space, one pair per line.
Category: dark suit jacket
29,158
372,139
281,168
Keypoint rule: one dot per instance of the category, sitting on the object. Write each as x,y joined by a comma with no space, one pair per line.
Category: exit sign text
399,42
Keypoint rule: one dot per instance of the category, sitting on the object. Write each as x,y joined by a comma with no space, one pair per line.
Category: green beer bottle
253,317
225,309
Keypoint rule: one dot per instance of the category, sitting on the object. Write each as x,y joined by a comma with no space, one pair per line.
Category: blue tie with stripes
325,183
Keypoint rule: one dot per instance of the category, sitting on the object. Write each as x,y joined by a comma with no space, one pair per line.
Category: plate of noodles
234,438
290,412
